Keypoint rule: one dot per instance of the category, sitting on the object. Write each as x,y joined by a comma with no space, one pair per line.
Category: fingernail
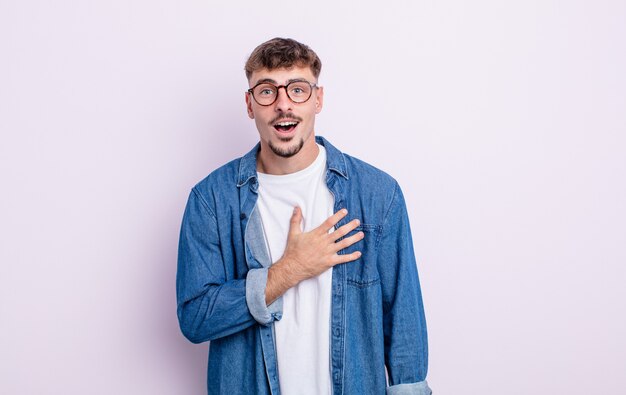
357,221
344,211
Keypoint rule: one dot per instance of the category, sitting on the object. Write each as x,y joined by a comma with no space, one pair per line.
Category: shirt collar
335,161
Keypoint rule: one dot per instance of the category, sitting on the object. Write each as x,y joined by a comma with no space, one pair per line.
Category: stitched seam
367,227
362,284
205,204
393,198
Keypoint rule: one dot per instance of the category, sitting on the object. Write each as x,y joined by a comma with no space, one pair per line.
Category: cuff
420,388
255,297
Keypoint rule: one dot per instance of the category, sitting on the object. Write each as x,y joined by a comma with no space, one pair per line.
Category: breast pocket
363,272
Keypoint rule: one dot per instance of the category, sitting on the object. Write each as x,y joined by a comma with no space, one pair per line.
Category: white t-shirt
303,332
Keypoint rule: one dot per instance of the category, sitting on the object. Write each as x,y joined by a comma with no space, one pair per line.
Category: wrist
279,279
284,273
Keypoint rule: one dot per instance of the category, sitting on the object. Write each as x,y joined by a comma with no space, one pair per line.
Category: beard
287,152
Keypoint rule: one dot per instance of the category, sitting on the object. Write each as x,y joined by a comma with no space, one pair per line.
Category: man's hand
309,254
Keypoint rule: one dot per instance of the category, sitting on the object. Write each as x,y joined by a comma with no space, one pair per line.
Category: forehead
281,76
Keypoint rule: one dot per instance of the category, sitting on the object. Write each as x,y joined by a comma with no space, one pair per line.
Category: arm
209,307
404,324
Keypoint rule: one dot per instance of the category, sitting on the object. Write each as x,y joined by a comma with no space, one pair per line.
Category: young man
296,260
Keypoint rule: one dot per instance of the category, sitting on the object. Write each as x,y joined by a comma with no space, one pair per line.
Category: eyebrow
271,81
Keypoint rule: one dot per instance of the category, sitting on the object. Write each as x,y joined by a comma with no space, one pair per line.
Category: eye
265,90
299,89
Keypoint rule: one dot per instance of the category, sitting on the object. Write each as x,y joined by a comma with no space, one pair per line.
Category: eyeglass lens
298,91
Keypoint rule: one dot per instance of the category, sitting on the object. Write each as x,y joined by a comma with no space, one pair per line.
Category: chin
287,151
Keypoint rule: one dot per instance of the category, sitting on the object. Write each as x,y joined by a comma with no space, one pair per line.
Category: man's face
285,127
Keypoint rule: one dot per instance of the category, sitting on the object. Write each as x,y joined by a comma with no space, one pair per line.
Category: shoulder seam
204,203
393,198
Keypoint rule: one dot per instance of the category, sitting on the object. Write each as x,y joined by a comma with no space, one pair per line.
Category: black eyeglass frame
251,91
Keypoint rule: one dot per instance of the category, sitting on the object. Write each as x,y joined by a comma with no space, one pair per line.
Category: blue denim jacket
377,315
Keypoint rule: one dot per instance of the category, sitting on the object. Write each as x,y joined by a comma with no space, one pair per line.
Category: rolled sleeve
256,282
420,388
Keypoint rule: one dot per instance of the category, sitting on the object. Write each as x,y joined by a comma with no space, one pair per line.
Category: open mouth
285,126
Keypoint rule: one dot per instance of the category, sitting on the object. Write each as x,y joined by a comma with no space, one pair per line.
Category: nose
283,102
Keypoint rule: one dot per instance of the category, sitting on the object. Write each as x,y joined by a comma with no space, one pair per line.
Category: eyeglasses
266,94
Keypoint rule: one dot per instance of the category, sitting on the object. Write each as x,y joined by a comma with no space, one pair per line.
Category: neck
270,163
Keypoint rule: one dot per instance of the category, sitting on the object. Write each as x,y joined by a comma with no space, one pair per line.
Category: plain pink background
504,122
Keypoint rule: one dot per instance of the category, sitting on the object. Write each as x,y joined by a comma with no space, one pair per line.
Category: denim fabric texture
377,314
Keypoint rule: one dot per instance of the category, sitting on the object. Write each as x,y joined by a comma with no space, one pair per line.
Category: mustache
288,116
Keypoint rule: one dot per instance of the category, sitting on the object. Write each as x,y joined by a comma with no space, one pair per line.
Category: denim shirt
377,316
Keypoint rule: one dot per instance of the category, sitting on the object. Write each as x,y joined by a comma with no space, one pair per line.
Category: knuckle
349,257
340,232
356,238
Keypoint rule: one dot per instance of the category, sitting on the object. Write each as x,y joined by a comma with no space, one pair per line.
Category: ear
249,105
319,99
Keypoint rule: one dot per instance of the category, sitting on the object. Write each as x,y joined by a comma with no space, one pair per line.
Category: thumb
294,222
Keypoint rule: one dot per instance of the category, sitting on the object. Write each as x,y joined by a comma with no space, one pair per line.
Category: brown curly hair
279,53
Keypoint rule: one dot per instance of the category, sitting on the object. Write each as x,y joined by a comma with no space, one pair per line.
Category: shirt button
337,332
242,216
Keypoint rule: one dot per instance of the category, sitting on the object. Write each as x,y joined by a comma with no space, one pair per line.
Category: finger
294,222
345,229
347,257
348,241
332,220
